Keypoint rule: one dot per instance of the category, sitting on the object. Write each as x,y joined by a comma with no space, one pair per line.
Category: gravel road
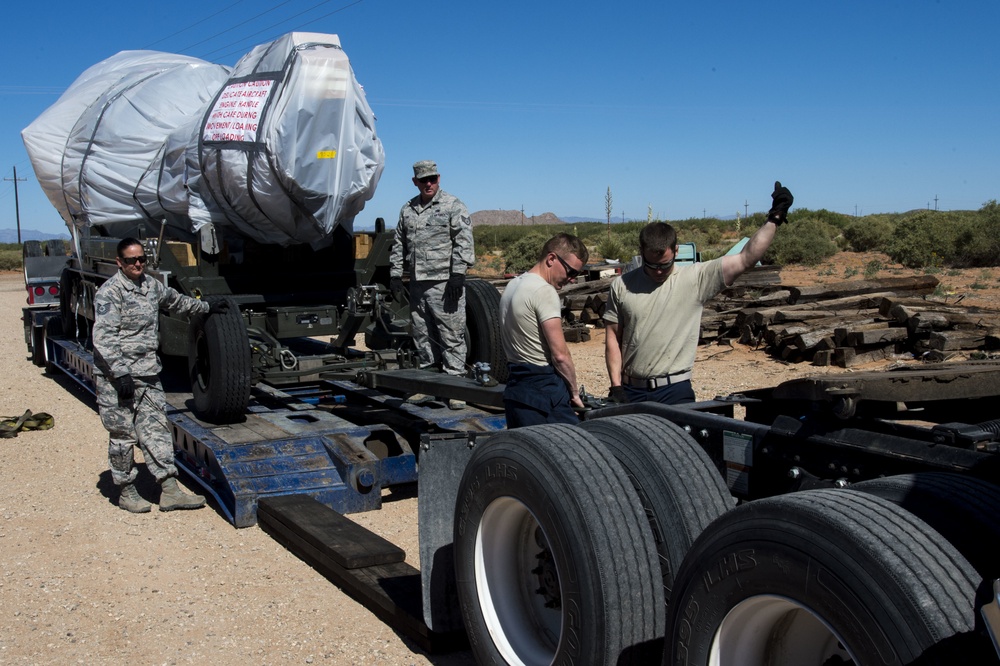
84,582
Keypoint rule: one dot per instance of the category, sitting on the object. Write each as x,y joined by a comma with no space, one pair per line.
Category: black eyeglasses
132,261
429,179
658,267
570,271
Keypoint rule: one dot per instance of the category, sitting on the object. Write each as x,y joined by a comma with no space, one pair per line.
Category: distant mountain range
10,235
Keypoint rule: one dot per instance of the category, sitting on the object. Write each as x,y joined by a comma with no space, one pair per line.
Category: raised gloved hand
125,386
456,283
781,200
617,395
397,289
218,307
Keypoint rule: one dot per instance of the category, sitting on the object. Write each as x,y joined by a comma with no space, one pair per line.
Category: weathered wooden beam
952,340
877,336
920,284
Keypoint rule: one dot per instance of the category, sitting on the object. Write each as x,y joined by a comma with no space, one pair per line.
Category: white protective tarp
282,149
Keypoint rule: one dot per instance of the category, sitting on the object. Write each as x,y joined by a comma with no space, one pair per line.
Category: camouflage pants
142,423
438,326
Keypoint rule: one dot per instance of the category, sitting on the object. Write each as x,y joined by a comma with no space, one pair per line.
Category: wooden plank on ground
954,340
920,284
393,592
876,336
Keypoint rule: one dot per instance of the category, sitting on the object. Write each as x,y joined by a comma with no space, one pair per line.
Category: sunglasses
570,271
429,179
658,267
132,261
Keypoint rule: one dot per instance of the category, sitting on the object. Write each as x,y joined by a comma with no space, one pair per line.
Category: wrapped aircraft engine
282,149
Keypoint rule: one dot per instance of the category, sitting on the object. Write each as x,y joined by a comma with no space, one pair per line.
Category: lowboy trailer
838,519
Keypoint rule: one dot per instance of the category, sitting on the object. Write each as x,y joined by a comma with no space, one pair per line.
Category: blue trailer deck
339,442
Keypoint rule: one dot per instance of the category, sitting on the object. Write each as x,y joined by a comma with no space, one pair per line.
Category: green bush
872,269
807,241
522,254
870,234
10,257
923,239
978,241
611,248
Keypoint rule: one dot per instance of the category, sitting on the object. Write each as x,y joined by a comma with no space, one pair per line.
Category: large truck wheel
963,509
32,248
821,577
219,365
679,486
554,558
482,322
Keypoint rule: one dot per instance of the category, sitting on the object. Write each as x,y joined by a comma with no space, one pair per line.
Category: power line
230,29
272,27
195,24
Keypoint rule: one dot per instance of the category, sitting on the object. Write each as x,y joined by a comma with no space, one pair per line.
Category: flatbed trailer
840,519
339,442
836,519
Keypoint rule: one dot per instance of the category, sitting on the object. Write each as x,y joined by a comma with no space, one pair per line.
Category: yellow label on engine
326,154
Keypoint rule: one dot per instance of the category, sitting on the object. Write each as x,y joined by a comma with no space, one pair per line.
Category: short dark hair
126,243
658,237
565,244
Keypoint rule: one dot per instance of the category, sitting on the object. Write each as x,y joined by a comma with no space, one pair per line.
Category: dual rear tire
555,524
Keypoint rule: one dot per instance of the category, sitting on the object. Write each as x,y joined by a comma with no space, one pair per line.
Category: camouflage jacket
127,326
435,241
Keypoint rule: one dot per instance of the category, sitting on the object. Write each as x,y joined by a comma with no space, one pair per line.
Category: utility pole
935,201
17,206
746,208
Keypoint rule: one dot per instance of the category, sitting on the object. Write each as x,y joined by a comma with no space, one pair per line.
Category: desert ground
84,582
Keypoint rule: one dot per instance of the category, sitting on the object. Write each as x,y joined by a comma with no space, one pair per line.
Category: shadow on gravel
144,483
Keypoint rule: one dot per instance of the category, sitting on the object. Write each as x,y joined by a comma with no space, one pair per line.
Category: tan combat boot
172,497
130,500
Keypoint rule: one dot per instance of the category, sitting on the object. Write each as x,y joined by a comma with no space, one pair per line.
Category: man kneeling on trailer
129,394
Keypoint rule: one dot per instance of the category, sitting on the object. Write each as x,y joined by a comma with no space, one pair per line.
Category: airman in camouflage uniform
434,241
129,394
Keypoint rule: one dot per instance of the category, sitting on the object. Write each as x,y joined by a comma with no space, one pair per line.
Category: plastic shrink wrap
282,149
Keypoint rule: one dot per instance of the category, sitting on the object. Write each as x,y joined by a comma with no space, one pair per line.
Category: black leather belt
656,382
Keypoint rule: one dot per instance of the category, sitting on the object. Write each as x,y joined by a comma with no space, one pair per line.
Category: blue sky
858,106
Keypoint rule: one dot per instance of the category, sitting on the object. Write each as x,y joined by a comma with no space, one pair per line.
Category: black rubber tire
75,326
888,587
554,498
482,322
964,510
38,346
56,247
219,365
32,248
679,486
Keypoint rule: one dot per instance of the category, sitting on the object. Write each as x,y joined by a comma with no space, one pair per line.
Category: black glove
781,200
125,386
397,289
456,283
218,307
617,395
